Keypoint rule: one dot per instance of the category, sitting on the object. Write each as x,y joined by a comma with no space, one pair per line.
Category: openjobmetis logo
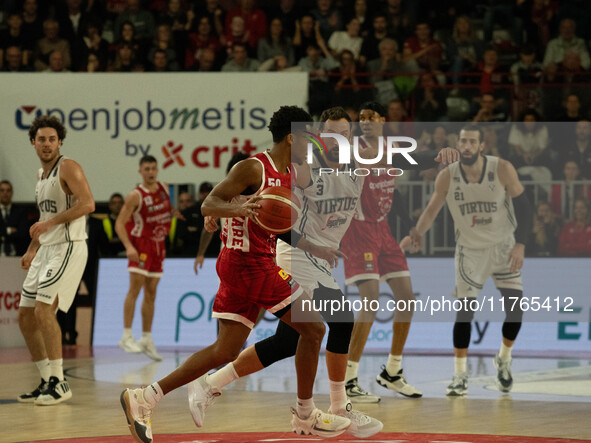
24,116
172,155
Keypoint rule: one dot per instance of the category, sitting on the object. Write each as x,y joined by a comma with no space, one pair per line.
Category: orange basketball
278,211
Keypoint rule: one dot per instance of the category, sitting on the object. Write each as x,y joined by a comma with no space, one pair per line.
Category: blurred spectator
108,241
277,64
361,13
142,20
580,150
179,241
175,17
579,11
94,43
160,62
13,60
94,63
439,138
14,224
206,61
490,110
370,47
463,49
51,42
237,33
288,12
575,238
307,33
347,90
491,72
163,41
349,39
32,27
72,20
543,240
540,17
399,20
397,121
318,63
329,18
57,62
430,105
13,36
566,42
526,75
127,36
504,12
423,48
572,110
204,38
529,141
493,144
115,7
240,62
216,15
564,194
255,21
275,43
126,60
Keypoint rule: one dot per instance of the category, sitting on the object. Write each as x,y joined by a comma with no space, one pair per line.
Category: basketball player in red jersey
373,255
249,280
142,226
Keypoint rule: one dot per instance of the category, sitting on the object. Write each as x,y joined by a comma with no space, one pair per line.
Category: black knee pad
463,328
513,311
341,312
339,337
279,346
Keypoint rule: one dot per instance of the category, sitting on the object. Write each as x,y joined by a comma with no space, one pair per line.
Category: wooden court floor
551,399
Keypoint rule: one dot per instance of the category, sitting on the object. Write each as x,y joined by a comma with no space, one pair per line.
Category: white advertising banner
11,284
192,123
184,301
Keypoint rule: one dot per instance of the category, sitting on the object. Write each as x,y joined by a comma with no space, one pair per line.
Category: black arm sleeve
399,209
523,215
292,237
425,160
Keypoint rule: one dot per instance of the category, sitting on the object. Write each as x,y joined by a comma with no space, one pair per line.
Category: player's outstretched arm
132,201
435,204
244,176
74,183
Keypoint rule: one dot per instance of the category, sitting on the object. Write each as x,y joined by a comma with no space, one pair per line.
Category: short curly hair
280,124
46,121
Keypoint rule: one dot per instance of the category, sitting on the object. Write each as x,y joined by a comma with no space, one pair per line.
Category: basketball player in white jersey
492,219
55,258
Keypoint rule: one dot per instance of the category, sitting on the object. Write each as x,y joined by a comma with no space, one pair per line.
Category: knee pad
339,337
279,346
462,333
335,299
513,311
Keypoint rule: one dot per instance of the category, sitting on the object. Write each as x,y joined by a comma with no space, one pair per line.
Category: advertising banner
11,284
184,301
192,123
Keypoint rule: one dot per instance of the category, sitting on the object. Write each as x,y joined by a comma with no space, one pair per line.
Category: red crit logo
172,154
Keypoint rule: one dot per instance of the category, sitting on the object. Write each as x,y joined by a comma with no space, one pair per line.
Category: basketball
278,211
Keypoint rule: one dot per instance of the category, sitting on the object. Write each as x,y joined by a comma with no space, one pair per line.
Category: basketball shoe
30,397
128,344
359,395
201,396
362,426
138,413
504,378
147,347
319,423
55,392
397,383
458,385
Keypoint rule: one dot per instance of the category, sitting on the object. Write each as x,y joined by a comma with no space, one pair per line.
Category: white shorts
307,270
56,270
475,266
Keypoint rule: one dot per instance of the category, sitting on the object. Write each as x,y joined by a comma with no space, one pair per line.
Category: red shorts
151,254
372,253
249,283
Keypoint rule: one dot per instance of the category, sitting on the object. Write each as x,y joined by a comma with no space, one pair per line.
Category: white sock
352,368
394,364
460,365
56,368
44,368
146,336
223,377
338,395
305,407
505,352
153,394
127,333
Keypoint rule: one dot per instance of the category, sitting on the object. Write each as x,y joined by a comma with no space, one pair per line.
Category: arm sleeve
523,215
425,160
291,237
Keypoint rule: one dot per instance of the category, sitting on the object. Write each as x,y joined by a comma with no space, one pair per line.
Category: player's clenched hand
516,257
39,228
27,259
210,224
132,254
198,263
408,245
447,156
331,255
